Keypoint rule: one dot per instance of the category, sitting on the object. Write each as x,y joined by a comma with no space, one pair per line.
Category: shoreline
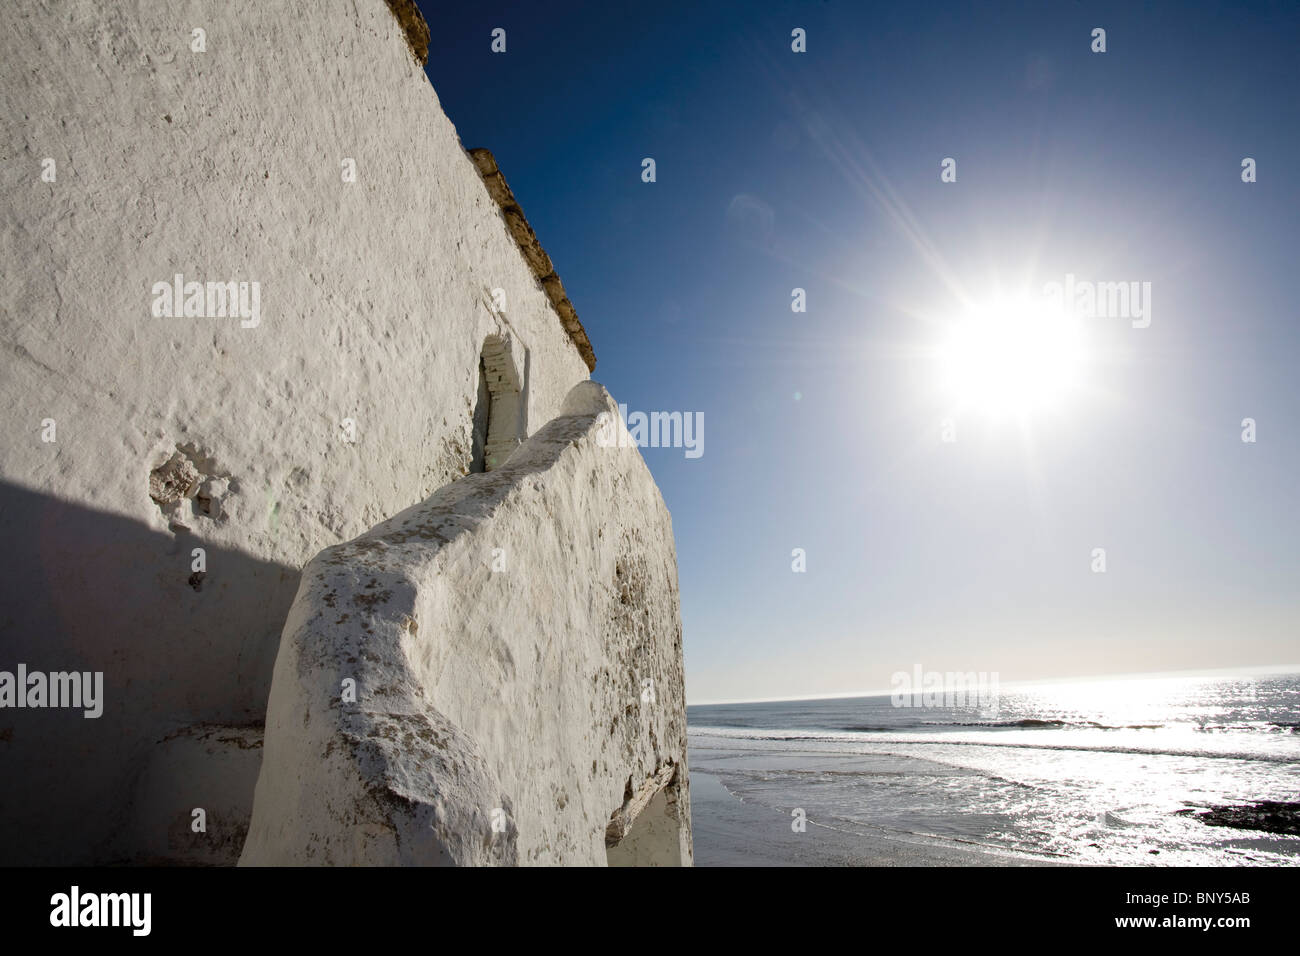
729,831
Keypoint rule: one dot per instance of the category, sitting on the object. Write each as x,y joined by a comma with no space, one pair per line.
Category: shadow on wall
502,403
186,665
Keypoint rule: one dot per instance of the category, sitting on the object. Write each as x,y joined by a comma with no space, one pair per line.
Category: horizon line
1245,670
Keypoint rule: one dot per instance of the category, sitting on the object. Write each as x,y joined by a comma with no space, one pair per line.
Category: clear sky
824,430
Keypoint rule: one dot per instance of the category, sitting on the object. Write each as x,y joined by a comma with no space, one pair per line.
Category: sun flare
1014,358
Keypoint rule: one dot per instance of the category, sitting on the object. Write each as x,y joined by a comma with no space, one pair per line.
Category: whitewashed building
257,301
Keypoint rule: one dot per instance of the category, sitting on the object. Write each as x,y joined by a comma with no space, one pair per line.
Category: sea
1097,772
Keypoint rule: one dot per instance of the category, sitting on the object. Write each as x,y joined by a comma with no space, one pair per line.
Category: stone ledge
533,252
412,23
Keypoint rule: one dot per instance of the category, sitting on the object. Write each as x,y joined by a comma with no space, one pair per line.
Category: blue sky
820,170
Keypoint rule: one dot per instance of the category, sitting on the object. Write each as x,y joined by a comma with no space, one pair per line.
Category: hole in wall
503,419
190,476
482,406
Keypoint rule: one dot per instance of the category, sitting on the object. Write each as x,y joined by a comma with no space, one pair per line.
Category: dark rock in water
1271,816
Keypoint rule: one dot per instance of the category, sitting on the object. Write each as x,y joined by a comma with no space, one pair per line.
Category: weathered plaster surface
515,643
223,165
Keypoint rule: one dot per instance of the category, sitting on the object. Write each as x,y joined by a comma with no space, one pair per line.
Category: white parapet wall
167,470
493,676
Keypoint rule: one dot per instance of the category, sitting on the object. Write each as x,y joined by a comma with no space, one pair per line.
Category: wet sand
731,832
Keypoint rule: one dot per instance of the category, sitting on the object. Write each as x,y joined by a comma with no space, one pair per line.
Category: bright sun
1014,358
